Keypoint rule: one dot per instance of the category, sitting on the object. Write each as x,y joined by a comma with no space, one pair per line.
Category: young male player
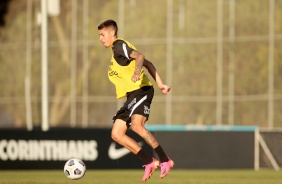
127,74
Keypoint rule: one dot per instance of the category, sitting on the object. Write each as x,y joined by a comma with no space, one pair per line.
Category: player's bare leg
118,134
138,126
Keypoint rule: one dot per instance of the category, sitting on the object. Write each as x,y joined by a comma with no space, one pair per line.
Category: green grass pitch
177,176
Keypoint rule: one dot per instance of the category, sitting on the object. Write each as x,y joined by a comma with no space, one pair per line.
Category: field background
222,58
134,176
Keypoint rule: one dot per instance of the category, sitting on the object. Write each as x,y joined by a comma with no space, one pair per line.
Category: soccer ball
74,169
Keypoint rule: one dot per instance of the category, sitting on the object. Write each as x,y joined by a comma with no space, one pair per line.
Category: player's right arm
154,73
139,61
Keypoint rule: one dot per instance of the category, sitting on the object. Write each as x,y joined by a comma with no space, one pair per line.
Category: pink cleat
165,167
150,168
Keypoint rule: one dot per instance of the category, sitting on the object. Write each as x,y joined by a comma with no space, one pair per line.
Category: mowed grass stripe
177,176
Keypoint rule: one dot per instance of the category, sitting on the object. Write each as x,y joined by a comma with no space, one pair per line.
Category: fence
222,58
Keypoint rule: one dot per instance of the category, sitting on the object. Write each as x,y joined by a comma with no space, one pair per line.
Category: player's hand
165,89
135,78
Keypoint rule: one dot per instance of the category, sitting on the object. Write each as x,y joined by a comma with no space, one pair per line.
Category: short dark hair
109,23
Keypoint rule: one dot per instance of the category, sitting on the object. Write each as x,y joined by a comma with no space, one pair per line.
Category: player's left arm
156,76
139,60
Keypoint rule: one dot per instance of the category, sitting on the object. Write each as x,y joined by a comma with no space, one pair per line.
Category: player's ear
112,33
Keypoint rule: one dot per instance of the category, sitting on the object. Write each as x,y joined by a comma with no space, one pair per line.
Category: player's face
105,37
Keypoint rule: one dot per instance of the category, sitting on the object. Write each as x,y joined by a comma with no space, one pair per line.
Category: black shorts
137,102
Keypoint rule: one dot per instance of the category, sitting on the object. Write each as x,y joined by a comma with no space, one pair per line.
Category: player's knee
116,136
137,128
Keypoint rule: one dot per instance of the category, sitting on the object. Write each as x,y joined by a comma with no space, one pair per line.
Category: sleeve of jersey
122,49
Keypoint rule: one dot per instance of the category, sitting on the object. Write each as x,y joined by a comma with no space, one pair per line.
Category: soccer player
127,74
